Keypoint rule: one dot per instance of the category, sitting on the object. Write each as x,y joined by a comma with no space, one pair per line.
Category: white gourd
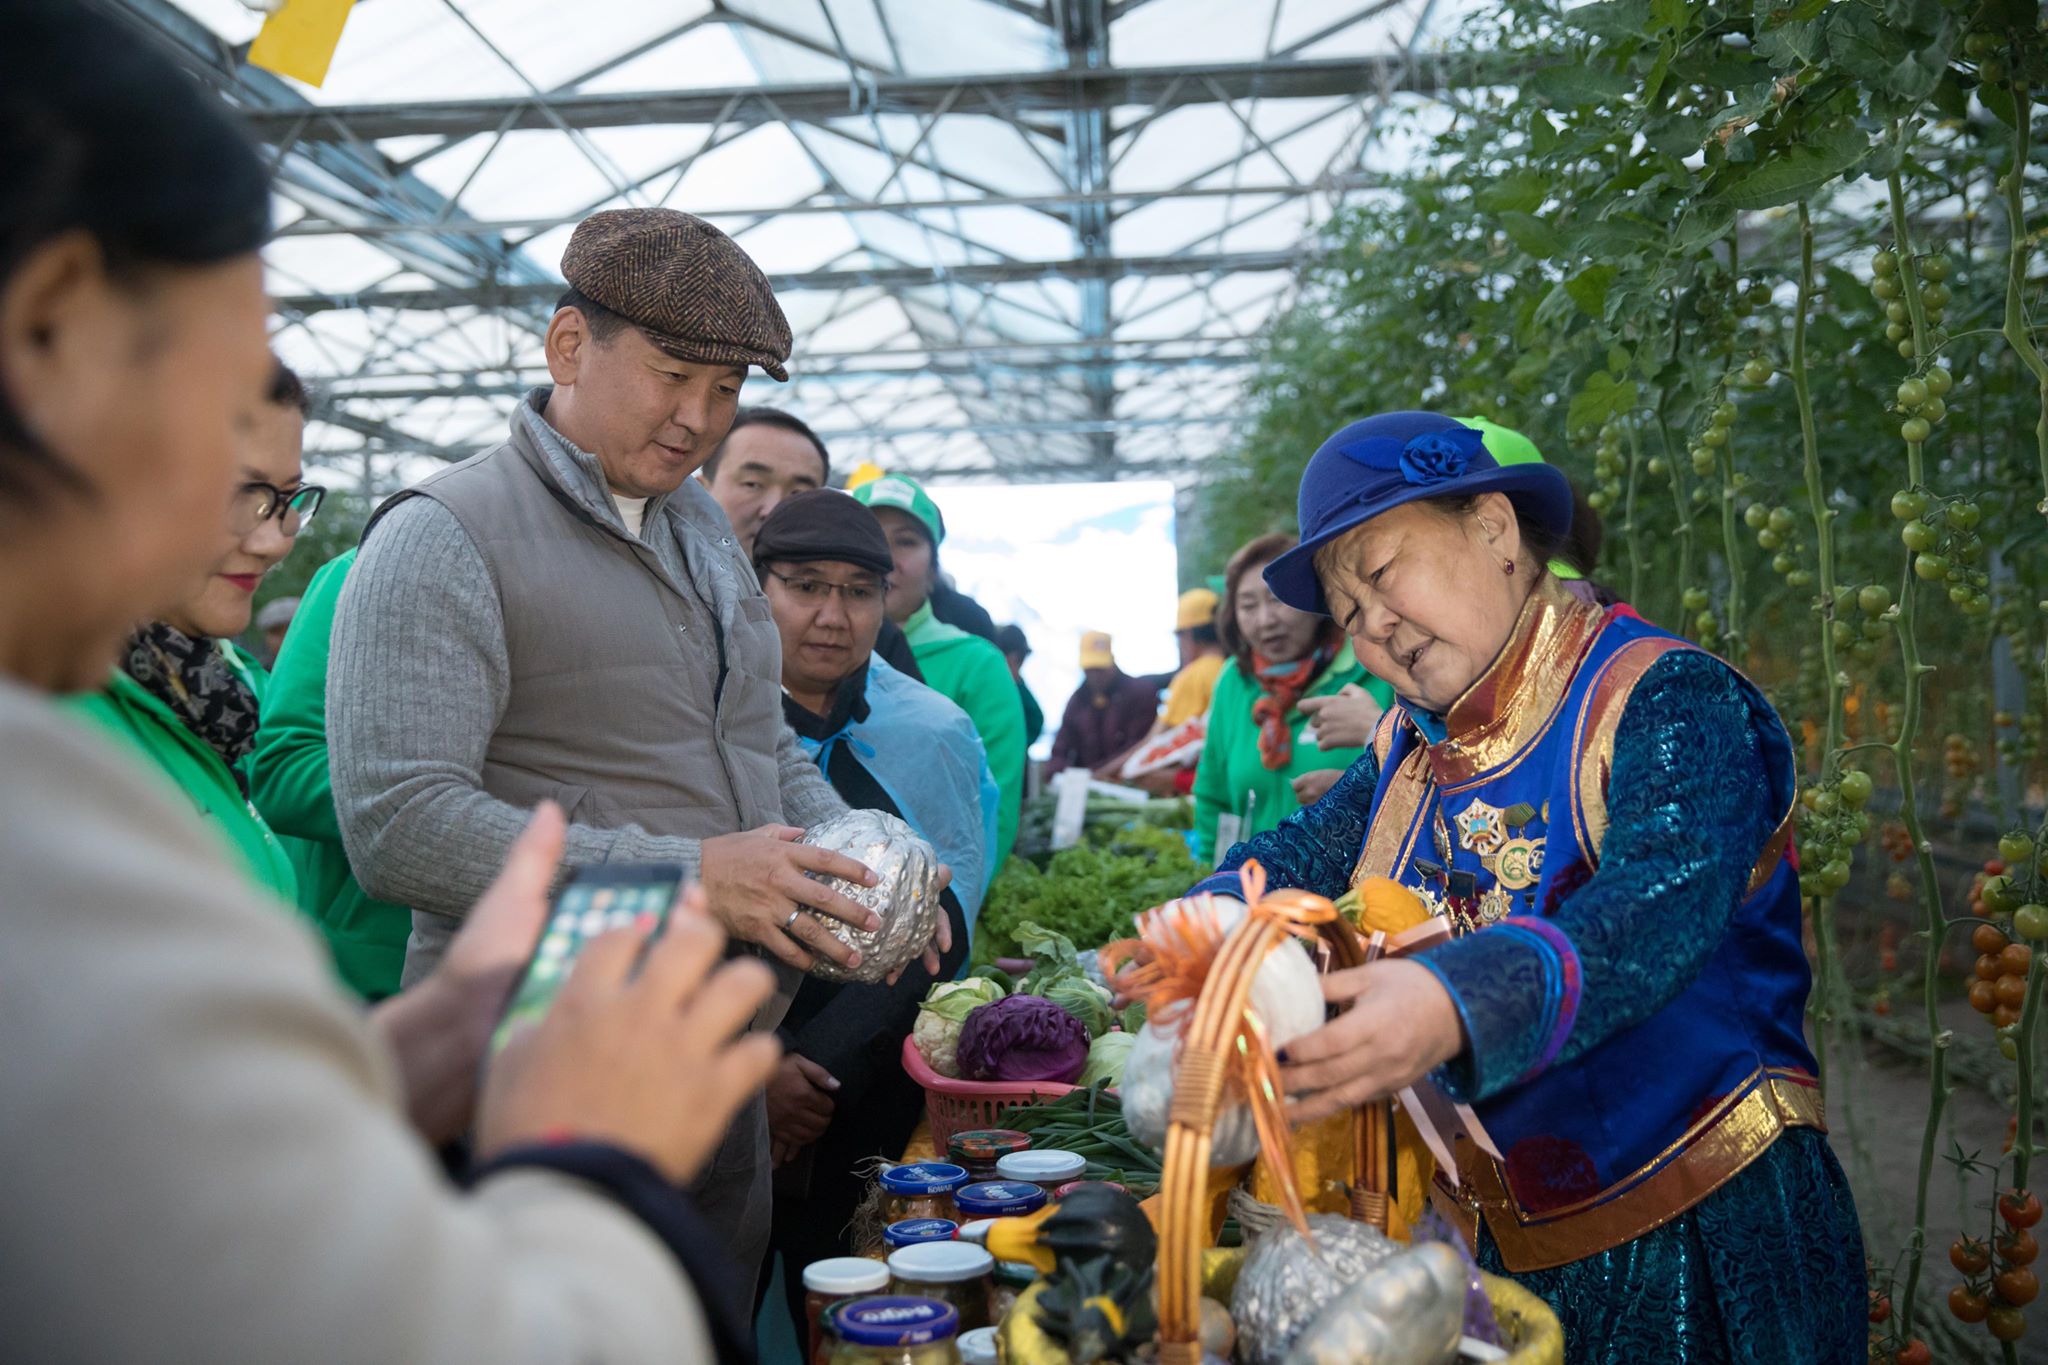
1286,996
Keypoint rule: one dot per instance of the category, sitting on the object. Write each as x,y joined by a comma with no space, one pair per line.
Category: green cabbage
1106,1057
1084,1000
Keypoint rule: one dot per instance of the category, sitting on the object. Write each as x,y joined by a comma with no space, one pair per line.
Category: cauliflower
945,1008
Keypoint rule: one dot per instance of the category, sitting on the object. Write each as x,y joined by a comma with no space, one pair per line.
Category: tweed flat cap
684,283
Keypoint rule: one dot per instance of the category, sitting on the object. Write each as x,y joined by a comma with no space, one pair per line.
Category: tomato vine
1726,264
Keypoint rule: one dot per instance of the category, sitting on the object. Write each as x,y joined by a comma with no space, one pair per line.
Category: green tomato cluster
1777,532
1888,285
1942,535
1832,825
1610,468
1860,639
1923,401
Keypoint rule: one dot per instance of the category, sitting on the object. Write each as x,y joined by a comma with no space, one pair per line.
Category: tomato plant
1763,281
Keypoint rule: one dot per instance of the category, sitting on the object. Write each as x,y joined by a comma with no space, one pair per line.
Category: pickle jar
1012,1278
959,1274
1063,1191
998,1199
911,1231
978,1347
920,1189
979,1149
895,1330
1045,1169
827,1284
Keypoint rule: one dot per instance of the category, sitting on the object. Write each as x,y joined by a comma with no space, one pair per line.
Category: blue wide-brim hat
1382,461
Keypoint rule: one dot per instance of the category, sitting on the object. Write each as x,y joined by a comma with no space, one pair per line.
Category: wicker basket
957,1106
1528,1328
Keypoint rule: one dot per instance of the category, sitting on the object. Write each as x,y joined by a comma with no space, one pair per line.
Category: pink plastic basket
957,1106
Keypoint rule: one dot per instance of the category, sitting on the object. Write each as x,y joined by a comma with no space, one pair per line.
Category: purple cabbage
1022,1038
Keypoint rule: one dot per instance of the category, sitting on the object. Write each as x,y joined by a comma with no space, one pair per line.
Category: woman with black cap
886,742
1597,814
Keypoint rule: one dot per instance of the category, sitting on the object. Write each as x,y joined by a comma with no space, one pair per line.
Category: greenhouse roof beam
882,277
1054,91
1124,200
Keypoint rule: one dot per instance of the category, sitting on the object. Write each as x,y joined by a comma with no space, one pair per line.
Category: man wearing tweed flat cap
569,617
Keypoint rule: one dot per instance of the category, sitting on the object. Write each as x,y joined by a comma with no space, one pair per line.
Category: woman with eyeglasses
182,693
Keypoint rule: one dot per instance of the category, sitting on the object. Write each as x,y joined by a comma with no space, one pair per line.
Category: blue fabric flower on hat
1436,456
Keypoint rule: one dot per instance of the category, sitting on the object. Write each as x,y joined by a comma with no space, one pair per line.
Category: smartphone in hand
595,900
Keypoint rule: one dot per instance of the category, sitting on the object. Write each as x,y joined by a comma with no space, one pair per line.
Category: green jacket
974,674
127,711
366,936
1232,780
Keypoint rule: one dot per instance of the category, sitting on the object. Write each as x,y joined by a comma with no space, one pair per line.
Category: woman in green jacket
964,668
1258,766
291,788
184,697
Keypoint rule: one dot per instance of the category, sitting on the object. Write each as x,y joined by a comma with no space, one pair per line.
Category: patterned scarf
195,680
1283,685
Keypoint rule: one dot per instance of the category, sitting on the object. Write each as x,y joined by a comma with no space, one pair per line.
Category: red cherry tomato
2015,958
1969,1255
1880,1306
1967,1305
1989,967
1987,938
1983,997
2010,990
2016,1286
2007,1324
1914,1352
2016,1246
2019,1208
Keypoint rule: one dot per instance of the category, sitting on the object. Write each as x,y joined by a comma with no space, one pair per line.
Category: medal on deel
1481,828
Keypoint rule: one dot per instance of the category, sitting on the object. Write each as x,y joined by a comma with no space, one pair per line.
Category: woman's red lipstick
245,581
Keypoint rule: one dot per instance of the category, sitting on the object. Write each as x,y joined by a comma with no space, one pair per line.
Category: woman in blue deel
1602,811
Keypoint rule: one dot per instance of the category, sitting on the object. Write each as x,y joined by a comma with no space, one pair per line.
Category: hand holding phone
595,900
654,1060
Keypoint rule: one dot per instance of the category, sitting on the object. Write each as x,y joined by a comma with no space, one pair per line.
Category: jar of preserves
920,1189
1012,1278
1063,1191
979,1149
829,1283
913,1230
998,1199
1048,1170
978,1347
955,1273
895,1331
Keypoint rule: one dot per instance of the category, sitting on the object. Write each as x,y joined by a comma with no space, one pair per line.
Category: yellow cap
1095,650
865,472
1197,608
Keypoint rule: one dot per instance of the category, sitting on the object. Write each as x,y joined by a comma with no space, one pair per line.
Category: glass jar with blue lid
999,1199
920,1189
911,1231
896,1330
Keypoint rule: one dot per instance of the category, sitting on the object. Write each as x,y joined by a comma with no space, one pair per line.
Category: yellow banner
299,40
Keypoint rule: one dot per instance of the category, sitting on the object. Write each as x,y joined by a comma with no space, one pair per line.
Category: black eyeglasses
256,503
819,591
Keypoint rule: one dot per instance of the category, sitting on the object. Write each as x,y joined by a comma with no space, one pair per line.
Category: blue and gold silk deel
1495,825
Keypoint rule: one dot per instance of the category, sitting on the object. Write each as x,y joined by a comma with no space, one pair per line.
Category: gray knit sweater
418,677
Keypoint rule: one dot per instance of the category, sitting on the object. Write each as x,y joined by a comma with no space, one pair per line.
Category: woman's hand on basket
1402,1024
